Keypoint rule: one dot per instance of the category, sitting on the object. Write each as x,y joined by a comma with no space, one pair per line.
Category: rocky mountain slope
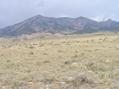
62,25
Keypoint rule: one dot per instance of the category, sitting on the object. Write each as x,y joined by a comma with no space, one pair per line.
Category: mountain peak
42,24
109,20
81,17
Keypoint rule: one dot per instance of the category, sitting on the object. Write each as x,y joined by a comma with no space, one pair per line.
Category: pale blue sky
13,11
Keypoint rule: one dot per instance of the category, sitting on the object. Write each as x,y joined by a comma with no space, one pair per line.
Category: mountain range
62,25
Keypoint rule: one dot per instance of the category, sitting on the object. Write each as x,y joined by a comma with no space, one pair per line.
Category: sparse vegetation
74,62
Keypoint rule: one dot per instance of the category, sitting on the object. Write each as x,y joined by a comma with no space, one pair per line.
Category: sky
14,11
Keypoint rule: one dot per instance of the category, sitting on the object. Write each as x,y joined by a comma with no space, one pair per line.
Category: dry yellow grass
84,62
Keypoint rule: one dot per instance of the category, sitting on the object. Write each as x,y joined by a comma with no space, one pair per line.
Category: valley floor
87,62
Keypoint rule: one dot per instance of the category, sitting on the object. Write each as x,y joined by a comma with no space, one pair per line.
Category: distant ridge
62,25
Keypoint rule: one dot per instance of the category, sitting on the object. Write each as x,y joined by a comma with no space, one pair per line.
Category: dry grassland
86,62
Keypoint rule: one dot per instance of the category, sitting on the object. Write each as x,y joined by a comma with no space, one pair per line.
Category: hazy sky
13,11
